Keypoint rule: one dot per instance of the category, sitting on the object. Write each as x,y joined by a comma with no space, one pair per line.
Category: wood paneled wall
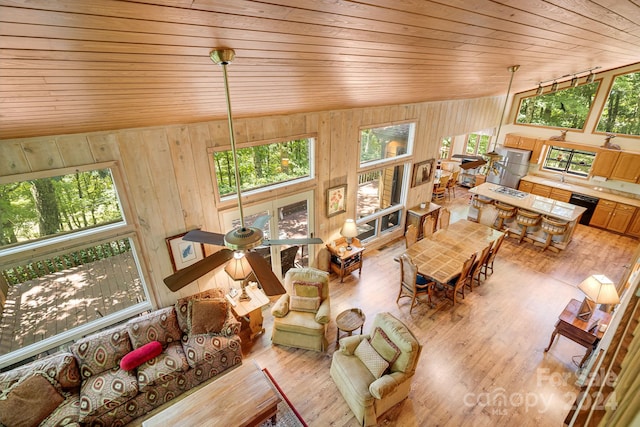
169,182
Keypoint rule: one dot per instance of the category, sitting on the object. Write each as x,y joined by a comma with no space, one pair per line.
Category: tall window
264,166
566,160
68,260
621,113
445,147
382,178
566,108
477,143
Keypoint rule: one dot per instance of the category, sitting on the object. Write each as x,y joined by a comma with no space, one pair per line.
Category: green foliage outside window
621,113
263,165
477,143
385,142
567,108
43,207
445,147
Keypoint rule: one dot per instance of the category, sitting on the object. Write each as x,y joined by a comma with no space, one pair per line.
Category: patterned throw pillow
383,345
304,303
207,316
371,359
102,351
29,402
164,368
307,289
182,305
160,325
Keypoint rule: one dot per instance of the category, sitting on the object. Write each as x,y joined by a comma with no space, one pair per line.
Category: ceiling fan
241,240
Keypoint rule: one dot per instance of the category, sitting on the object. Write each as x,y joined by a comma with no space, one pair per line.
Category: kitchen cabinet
562,195
604,162
521,142
612,216
541,190
634,226
525,186
627,168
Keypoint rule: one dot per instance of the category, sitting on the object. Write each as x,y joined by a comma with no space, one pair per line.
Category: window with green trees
261,166
477,143
621,113
385,142
567,108
567,160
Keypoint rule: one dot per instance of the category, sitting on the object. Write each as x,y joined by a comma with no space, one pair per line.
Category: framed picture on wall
182,252
422,172
336,200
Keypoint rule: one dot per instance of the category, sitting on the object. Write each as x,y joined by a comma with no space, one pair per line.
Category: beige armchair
367,396
301,315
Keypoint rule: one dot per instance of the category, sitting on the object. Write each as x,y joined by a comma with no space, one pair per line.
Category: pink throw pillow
140,355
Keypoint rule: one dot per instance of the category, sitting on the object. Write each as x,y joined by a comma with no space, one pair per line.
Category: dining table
441,256
439,173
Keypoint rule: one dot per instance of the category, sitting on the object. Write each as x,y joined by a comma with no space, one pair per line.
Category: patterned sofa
87,386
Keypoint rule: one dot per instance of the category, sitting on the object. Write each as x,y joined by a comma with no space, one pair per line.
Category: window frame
605,103
571,152
408,153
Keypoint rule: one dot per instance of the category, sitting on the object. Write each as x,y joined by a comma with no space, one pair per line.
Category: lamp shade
349,229
238,268
599,289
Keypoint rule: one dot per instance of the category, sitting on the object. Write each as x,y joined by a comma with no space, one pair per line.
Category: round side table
348,321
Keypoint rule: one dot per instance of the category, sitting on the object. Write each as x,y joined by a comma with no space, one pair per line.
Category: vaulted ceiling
70,66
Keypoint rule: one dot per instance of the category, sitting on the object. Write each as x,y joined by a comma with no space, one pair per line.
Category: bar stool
552,227
479,203
526,219
504,212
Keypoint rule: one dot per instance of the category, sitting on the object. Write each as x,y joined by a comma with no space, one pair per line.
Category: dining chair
445,218
456,286
451,184
411,235
439,192
428,227
488,264
476,270
411,283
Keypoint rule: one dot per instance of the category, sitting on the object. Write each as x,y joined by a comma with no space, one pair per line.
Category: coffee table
348,321
242,397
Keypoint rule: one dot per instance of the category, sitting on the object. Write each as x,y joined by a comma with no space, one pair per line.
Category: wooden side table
251,310
417,215
348,321
345,261
585,333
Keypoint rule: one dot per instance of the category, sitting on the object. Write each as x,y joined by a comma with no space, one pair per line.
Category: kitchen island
553,209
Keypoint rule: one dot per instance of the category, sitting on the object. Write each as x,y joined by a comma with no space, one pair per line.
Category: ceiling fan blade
204,237
262,270
182,278
261,221
300,241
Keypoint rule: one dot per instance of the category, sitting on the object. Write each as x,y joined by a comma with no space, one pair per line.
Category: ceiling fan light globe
243,239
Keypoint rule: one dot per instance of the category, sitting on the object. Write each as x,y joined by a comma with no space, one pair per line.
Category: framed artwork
182,252
336,200
422,172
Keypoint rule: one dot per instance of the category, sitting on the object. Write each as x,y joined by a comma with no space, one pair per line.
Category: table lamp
598,290
349,231
239,269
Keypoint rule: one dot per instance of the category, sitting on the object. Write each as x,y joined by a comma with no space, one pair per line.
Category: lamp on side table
598,289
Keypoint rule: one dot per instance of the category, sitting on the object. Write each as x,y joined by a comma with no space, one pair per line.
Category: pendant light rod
573,75
224,57
512,69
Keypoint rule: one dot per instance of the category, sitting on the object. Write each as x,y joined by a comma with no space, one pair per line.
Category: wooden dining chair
476,270
428,227
445,218
451,184
488,264
409,286
411,235
439,192
456,286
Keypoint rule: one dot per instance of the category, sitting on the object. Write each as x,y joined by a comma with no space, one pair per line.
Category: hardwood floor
483,362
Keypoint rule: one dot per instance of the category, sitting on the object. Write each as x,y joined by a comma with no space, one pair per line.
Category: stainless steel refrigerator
513,166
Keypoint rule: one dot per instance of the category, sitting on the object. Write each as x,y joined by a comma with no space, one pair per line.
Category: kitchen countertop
531,202
589,191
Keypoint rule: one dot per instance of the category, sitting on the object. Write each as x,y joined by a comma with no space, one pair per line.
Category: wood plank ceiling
70,66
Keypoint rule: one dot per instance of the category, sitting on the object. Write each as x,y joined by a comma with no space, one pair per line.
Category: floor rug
287,415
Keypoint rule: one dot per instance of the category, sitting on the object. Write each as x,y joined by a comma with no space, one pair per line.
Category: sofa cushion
160,325
182,305
162,368
102,351
61,367
299,322
207,316
140,355
213,349
371,359
103,392
309,304
383,345
307,289
67,414
29,402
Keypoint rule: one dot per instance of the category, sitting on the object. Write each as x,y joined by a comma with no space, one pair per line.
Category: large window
445,148
263,166
68,260
566,160
477,143
567,108
621,113
381,189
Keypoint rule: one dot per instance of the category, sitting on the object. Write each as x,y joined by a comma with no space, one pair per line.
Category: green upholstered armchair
367,396
301,315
